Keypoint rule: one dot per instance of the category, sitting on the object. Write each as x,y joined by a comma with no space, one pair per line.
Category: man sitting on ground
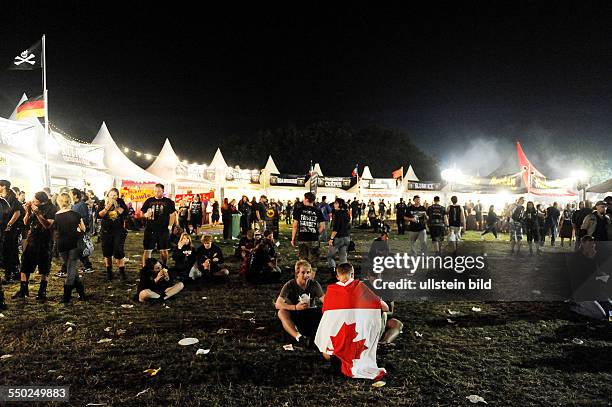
263,266
155,283
351,326
209,261
296,304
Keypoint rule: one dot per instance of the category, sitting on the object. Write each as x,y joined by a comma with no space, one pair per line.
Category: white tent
366,174
118,164
218,162
270,167
317,169
165,164
410,175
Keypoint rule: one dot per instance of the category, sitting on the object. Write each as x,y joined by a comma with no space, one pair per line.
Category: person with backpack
437,220
456,222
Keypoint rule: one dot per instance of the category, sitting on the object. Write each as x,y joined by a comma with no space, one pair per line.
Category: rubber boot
122,273
80,289
67,294
23,292
109,273
42,291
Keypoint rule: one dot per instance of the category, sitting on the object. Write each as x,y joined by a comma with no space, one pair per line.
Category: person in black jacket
491,223
340,237
530,222
400,212
155,283
208,261
11,226
113,232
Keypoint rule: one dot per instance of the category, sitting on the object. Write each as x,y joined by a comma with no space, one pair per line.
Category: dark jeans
227,227
71,258
10,251
401,224
492,229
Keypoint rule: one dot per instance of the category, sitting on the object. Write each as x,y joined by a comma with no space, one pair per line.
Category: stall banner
189,197
242,176
60,149
336,182
379,183
18,137
509,183
424,186
194,172
288,180
136,193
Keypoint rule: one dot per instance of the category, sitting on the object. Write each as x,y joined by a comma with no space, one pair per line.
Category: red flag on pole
399,173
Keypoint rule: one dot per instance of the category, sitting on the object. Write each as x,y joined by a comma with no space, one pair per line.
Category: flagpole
46,99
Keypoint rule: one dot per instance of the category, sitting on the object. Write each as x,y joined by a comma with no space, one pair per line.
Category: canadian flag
350,328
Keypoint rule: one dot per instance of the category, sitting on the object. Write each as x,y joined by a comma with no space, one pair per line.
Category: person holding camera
113,232
155,284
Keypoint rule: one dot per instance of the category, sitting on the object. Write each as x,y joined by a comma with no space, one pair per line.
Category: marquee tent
182,176
602,188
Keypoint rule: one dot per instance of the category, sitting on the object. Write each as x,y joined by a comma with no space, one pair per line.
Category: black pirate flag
29,59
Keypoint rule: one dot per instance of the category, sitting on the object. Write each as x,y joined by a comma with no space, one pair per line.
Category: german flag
34,107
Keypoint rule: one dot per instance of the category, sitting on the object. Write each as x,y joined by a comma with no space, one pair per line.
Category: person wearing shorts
39,216
308,225
456,221
437,221
159,213
113,232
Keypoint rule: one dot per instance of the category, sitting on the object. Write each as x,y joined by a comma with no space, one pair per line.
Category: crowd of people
62,225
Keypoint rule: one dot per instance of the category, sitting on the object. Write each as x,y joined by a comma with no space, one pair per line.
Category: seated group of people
347,305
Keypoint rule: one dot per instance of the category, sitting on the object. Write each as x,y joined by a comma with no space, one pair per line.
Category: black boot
109,273
122,273
67,294
23,291
80,289
42,291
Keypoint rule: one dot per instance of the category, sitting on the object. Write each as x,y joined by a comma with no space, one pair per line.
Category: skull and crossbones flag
29,59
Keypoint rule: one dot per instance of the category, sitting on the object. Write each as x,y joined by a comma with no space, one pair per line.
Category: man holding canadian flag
351,325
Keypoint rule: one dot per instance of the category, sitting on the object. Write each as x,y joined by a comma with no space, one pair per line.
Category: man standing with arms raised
308,224
159,213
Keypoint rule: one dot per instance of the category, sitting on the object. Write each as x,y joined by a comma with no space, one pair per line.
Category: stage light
126,150
138,153
148,156
451,175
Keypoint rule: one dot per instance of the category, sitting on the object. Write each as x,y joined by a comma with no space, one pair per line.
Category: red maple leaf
345,349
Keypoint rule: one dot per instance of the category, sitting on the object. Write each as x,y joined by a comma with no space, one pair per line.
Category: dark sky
447,76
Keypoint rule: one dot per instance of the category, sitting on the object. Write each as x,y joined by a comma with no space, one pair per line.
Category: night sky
461,77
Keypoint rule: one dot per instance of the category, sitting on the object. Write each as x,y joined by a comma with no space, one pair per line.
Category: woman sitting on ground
155,284
182,255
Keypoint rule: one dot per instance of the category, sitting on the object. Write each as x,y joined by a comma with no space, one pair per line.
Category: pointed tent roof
602,188
317,169
13,115
366,174
218,162
410,175
118,164
165,163
270,167
514,164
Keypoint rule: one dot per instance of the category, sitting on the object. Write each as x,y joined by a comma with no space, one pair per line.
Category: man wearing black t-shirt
416,215
400,212
308,224
39,215
159,213
437,221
